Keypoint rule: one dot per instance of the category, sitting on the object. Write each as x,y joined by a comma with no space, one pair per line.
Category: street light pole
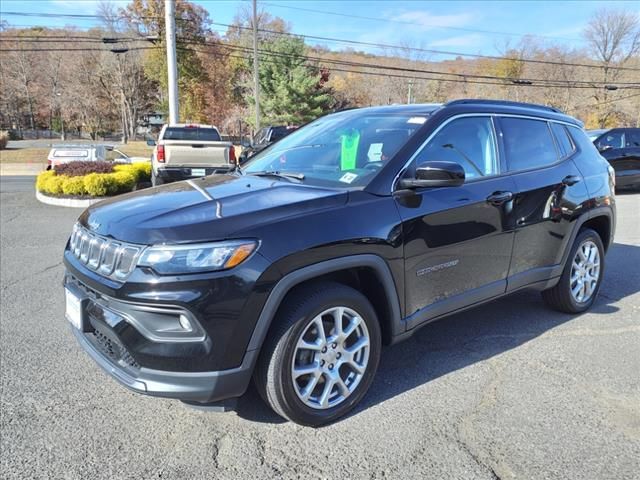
172,66
256,83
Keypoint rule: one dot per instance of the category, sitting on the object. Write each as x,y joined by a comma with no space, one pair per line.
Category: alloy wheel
330,358
585,272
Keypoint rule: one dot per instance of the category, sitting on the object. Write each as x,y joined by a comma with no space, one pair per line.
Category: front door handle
570,180
498,198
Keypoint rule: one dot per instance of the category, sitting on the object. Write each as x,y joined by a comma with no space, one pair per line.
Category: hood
206,209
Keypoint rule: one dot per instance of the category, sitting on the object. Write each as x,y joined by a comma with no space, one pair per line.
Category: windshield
341,150
191,133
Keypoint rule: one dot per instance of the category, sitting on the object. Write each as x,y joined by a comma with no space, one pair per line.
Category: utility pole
172,65
256,82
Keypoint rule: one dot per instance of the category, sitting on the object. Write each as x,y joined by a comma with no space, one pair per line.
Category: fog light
185,324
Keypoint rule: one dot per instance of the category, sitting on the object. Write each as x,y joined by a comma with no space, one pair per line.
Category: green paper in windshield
349,150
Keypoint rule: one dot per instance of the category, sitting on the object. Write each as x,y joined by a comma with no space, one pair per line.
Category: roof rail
506,103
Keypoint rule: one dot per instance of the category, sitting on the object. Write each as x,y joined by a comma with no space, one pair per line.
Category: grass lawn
39,155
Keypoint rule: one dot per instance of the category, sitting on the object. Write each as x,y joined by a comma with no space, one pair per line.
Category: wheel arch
355,271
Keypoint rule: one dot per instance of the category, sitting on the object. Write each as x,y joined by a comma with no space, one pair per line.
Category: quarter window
527,143
613,139
562,137
469,142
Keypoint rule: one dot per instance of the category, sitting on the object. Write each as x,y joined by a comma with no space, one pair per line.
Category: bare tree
614,38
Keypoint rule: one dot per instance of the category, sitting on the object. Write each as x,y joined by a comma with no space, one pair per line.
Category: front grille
114,350
107,257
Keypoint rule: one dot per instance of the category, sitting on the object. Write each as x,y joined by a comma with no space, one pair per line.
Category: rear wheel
582,275
155,180
320,359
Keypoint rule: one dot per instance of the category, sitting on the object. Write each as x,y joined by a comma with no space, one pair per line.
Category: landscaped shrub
142,170
74,186
122,179
99,184
52,184
75,169
4,138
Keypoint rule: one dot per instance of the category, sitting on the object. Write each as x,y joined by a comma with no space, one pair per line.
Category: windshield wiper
273,173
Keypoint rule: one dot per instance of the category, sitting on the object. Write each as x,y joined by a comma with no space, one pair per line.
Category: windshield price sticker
348,177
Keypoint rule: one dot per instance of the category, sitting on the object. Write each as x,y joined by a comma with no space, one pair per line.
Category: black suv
265,137
347,235
621,148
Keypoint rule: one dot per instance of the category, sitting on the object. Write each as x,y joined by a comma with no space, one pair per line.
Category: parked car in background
60,154
265,137
621,148
351,233
121,157
186,151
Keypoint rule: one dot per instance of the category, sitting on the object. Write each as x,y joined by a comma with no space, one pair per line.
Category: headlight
203,257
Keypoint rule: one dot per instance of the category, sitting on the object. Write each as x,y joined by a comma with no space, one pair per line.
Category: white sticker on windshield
375,152
348,177
418,120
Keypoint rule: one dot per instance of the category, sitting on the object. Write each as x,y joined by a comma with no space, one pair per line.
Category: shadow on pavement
472,336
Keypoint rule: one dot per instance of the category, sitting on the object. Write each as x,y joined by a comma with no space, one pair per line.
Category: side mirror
435,174
604,148
151,143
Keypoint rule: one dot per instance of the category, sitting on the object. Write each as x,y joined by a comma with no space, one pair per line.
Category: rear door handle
498,198
570,180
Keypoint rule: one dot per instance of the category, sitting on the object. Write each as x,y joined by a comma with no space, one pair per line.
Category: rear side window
633,138
527,143
562,139
613,139
193,133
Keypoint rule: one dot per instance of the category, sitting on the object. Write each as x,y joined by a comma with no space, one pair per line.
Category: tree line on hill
108,77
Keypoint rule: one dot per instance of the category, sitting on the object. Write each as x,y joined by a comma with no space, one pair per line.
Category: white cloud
470,40
429,20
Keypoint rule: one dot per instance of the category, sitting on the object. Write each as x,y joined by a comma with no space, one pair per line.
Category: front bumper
173,174
202,387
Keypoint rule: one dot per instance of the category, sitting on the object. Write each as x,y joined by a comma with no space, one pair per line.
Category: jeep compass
349,234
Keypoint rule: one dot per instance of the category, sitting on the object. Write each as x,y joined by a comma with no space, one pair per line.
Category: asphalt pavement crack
42,270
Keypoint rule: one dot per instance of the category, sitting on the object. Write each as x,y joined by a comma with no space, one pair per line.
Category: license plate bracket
198,172
75,311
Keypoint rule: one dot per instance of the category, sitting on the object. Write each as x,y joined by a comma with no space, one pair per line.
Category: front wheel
321,356
580,282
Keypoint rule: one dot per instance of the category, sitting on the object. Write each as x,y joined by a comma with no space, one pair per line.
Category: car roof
190,125
478,105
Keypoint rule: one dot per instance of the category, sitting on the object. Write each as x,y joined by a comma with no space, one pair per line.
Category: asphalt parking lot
508,390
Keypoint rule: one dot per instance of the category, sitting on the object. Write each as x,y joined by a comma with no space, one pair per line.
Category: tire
297,321
155,180
561,297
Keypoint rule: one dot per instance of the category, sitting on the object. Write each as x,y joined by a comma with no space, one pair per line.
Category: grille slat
107,257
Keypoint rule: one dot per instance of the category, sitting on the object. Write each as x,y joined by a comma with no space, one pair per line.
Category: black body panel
417,254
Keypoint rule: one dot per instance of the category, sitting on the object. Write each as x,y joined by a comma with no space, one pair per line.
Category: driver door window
468,141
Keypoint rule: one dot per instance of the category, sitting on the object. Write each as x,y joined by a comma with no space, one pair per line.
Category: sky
476,27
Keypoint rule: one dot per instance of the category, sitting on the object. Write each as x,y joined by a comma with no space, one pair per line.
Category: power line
346,41
604,103
458,77
461,76
427,50
386,74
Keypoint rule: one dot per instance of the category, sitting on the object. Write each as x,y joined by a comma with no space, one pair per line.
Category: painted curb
68,202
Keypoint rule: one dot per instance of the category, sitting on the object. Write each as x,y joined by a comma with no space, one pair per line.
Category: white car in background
61,154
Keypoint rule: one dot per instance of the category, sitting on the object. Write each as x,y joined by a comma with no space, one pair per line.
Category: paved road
509,390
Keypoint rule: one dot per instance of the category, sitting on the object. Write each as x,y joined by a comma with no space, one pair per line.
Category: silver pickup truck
186,151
